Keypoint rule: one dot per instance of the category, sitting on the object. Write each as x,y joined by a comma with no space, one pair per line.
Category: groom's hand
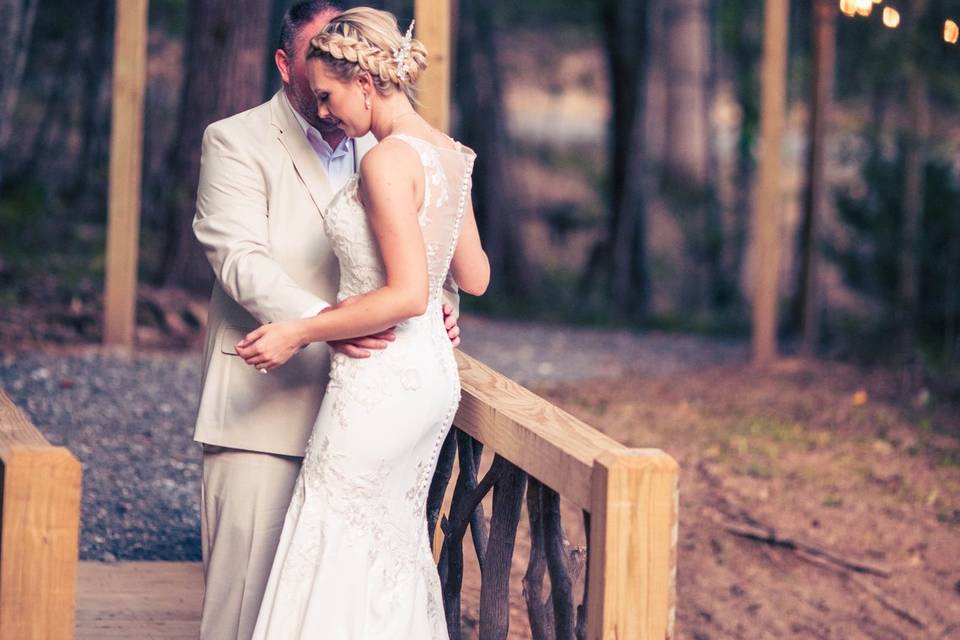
450,322
361,347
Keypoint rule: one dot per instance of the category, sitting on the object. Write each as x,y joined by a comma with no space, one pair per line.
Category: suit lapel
304,158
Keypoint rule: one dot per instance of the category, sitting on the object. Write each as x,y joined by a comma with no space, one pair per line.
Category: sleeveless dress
354,560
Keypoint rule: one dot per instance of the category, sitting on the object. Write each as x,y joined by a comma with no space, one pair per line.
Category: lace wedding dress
354,561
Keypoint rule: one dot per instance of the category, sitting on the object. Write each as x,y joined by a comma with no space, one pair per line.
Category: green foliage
21,207
871,57
36,241
870,260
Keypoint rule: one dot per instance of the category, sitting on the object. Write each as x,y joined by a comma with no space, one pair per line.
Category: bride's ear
366,82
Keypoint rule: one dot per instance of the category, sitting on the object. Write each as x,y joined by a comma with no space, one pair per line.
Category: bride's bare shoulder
390,170
389,157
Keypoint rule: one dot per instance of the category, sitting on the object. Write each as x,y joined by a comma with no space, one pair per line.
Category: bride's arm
388,187
470,266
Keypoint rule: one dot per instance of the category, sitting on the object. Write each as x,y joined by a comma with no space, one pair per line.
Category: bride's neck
388,112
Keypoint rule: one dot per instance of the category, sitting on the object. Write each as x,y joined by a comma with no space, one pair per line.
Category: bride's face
338,100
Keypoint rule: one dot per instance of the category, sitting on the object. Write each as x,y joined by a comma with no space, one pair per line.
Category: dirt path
821,453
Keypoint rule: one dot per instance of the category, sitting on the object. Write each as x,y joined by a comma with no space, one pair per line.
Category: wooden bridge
569,475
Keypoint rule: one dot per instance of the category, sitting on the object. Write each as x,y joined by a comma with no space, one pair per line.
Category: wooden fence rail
628,498
39,529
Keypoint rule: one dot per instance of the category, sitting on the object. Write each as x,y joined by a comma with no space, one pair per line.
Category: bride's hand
271,345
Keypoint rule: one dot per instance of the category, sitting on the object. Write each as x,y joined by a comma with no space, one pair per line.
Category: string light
864,7
891,17
951,31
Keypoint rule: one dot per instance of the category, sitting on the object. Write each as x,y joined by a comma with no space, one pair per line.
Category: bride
354,560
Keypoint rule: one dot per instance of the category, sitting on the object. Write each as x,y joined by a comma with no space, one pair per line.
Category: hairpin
402,55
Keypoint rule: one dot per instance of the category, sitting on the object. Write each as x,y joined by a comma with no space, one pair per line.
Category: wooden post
767,211
633,546
433,29
126,142
815,201
40,523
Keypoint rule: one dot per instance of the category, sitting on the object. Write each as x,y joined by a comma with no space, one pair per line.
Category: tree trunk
914,138
227,43
89,183
745,43
483,126
815,195
951,298
721,281
16,29
686,175
619,259
687,42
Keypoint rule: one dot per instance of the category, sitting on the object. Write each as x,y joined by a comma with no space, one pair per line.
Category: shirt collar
313,135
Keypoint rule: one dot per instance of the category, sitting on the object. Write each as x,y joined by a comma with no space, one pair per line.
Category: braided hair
366,39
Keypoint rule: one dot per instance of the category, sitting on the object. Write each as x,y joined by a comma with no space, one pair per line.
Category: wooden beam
633,546
545,441
767,212
433,29
40,524
126,143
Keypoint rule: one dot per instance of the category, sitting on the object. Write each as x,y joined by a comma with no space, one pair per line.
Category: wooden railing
39,529
628,498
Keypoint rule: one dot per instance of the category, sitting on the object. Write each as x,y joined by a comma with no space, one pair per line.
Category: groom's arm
231,225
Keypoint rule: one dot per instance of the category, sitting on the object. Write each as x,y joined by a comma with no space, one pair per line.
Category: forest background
616,178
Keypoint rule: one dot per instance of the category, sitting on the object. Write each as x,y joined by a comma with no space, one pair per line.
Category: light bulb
891,17
951,31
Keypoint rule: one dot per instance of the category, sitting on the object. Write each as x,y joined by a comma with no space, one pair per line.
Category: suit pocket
230,337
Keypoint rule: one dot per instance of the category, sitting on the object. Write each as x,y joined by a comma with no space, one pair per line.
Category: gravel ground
130,419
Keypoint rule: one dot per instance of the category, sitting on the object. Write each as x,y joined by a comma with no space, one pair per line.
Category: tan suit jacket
260,200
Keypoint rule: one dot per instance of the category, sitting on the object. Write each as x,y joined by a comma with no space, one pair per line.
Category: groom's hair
298,16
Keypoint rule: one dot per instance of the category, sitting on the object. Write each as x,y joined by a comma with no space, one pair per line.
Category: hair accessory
402,55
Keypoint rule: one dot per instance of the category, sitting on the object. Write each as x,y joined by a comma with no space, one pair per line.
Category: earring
366,102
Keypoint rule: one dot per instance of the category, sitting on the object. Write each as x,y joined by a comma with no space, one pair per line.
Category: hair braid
365,39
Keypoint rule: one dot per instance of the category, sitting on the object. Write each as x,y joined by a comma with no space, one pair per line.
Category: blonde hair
367,39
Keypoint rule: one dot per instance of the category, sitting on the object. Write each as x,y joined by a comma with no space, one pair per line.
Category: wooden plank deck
161,600
143,600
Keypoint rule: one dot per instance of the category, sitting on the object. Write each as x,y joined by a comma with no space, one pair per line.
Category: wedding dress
354,560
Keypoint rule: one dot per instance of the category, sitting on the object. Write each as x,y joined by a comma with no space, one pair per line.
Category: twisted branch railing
628,498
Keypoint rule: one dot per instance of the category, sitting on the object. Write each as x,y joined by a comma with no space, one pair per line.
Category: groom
266,176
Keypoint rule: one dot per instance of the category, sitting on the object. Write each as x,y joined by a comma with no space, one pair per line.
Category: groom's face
293,72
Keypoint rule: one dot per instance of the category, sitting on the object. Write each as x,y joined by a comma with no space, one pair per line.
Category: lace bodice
447,181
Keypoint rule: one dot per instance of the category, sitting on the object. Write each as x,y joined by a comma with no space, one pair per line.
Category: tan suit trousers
244,498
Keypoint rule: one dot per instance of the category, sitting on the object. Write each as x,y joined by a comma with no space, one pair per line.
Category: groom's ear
283,65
